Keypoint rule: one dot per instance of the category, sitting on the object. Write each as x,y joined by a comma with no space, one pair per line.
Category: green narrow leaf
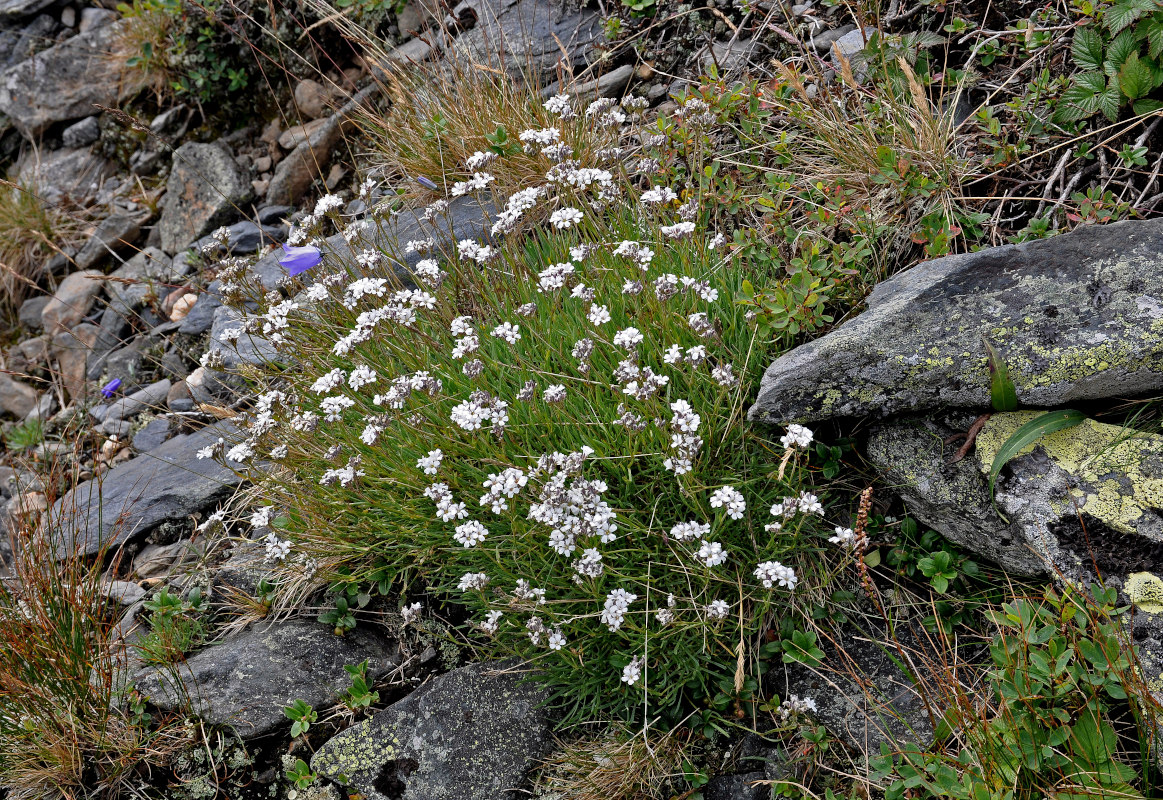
1032,431
1002,392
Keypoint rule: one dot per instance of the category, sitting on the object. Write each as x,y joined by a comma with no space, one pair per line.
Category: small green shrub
175,627
1068,713
25,436
550,432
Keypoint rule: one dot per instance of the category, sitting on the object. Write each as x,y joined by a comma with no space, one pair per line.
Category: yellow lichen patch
1107,460
1145,591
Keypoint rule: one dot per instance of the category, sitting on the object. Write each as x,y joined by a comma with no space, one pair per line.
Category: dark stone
920,344
245,237
249,678
153,435
201,316
737,787
273,215
170,483
126,364
470,734
115,235
82,133
15,9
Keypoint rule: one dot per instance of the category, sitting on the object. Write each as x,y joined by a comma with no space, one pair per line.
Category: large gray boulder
11,10
247,679
1079,503
530,36
1077,317
470,734
67,81
206,187
169,483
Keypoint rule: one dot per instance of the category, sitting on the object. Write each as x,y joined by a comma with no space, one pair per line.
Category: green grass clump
550,432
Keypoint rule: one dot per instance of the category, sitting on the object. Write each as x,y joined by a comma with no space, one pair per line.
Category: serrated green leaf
1146,106
1109,99
1121,48
1124,12
1135,78
1032,431
1002,392
1151,29
1087,49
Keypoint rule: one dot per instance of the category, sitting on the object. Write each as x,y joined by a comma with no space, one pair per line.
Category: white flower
276,548
659,194
473,581
410,613
673,355
598,315
554,393
678,230
728,498
470,533
507,331
771,573
361,376
810,504
325,383
632,672
690,530
723,375
711,554
718,609
614,611
556,640
492,621
565,218
796,436
431,462
845,537
628,338
558,104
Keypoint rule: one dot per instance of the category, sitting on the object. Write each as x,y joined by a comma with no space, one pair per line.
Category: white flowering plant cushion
548,429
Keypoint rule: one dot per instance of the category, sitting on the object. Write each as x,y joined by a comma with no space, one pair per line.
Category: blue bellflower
300,259
110,389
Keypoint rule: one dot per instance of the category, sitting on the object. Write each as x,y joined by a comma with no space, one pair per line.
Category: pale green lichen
356,750
1110,463
1145,591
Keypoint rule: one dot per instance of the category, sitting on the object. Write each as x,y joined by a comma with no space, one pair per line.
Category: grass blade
1032,431
1002,392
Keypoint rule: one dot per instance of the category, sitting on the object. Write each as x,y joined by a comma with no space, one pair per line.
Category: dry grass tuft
31,231
617,766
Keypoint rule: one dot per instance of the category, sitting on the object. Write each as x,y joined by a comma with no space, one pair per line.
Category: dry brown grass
619,765
31,231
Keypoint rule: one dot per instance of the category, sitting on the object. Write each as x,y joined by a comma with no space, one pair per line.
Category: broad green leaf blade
1032,431
1087,50
1002,392
1135,77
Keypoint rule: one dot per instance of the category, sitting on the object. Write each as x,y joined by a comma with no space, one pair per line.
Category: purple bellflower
300,259
109,389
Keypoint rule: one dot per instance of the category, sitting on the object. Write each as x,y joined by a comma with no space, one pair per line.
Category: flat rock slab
1084,497
249,678
470,734
1077,317
206,187
169,483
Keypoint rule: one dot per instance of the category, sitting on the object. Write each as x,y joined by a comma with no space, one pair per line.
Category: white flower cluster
617,604
773,573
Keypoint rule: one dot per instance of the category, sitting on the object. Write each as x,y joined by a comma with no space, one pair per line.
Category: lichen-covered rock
248,679
1080,498
470,734
1076,317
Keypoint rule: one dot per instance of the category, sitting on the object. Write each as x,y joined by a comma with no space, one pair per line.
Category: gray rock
147,274
81,134
124,363
149,398
114,235
744,786
312,155
313,99
950,498
852,42
166,560
1077,317
67,173
171,122
228,337
206,186
823,42
68,16
245,237
34,37
1077,499
31,312
249,678
15,9
470,734
153,435
93,18
730,57
123,593
133,498
72,349
116,428
529,35
64,82
17,398
72,300
201,316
